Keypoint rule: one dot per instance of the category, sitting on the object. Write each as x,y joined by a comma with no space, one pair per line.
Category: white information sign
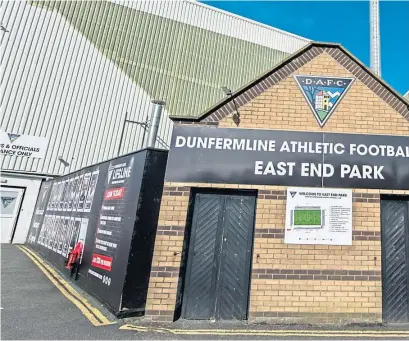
23,145
318,216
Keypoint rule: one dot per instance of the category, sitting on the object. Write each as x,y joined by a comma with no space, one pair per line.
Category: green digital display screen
307,217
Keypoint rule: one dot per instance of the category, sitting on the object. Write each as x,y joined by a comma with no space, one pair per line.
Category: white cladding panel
219,21
57,84
60,86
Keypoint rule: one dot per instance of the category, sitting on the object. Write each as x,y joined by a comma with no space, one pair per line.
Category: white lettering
378,172
201,142
282,168
373,150
180,141
400,152
258,168
339,148
270,169
227,143
248,147
219,143
291,166
285,147
391,151
305,169
366,172
238,144
355,172
328,170
362,149
345,169
191,141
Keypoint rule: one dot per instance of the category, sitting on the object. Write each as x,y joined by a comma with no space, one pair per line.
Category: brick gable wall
283,106
293,283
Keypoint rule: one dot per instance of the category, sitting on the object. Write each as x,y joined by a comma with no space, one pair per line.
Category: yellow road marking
90,312
313,333
95,311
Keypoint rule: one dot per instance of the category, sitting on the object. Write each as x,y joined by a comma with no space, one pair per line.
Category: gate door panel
395,257
236,258
200,283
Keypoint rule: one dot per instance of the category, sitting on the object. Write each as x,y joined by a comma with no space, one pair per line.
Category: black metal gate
219,260
395,260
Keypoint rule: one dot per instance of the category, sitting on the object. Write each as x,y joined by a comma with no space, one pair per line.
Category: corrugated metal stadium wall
71,70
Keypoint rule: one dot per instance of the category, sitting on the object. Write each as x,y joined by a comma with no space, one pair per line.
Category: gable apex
291,64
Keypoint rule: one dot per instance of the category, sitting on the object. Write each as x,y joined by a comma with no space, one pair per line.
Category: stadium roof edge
254,22
279,66
293,35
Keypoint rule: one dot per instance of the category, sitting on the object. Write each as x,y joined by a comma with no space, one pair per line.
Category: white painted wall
32,187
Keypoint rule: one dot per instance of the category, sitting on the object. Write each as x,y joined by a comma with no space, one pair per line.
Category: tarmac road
34,308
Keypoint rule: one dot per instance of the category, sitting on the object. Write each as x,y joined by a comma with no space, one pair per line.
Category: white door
10,203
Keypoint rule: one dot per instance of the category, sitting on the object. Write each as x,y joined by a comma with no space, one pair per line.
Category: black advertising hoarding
66,219
288,158
116,218
39,211
99,206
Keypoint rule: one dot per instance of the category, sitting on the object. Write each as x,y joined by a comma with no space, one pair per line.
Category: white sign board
318,216
23,145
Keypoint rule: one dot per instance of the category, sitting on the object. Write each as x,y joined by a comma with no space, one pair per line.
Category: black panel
395,257
199,297
287,158
144,233
236,258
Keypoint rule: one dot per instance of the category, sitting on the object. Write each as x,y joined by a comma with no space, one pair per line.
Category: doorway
217,279
395,258
10,203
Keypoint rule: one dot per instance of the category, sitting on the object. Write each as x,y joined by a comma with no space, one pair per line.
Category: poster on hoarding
318,216
113,211
83,192
77,191
91,191
42,199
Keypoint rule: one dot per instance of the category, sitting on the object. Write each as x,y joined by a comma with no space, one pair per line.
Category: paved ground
33,308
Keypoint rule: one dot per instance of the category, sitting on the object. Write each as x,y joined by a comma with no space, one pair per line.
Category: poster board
318,216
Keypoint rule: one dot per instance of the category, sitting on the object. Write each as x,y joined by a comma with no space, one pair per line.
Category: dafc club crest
13,137
323,94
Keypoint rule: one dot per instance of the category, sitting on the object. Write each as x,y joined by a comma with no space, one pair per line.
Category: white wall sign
23,145
318,216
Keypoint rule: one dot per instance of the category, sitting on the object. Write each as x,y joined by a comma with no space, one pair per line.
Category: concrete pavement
38,305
